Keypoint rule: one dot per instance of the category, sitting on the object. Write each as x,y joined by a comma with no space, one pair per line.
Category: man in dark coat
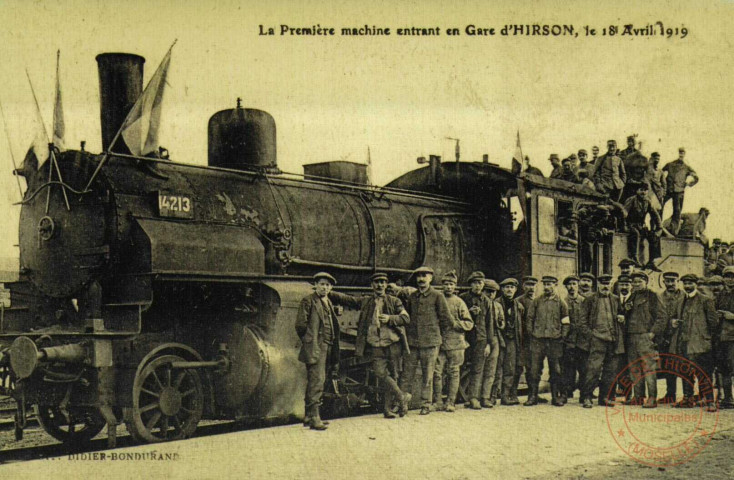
514,313
523,361
637,208
429,315
483,355
671,297
548,322
609,174
318,328
725,310
575,346
645,319
601,322
491,383
381,330
695,324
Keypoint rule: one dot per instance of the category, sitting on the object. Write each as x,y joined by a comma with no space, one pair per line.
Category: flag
369,167
140,129
518,161
59,128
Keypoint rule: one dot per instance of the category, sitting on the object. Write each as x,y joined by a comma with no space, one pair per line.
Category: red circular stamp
662,436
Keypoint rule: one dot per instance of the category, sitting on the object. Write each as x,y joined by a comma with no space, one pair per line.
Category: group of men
587,337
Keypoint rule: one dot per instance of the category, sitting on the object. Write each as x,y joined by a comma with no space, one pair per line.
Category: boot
727,401
507,397
316,422
493,396
532,396
474,404
556,397
405,404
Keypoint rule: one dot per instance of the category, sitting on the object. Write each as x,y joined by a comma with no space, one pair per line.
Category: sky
401,96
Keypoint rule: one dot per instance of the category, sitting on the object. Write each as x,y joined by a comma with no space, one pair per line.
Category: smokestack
120,85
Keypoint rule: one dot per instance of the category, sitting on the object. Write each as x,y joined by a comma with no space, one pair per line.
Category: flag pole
107,154
10,147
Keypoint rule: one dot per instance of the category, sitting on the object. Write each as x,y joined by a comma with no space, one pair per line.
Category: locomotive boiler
166,293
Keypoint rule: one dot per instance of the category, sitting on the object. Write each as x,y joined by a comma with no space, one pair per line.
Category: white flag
518,161
140,129
39,145
59,127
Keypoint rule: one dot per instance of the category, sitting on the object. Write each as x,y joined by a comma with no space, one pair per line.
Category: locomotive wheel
73,426
167,403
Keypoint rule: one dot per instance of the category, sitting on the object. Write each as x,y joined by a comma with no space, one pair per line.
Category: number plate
173,205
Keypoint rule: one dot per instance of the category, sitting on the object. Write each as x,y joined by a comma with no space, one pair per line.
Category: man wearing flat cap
548,322
556,164
381,332
491,384
575,346
484,346
630,150
676,181
529,284
657,181
646,319
609,174
513,335
601,321
626,267
583,158
568,173
451,354
318,328
694,325
586,284
671,297
637,208
429,316
725,360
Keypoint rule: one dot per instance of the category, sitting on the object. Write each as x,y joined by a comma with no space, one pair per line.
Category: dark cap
716,280
643,186
509,281
491,284
475,276
553,156
654,155
549,279
641,275
325,275
605,279
423,269
582,151
717,240
450,277
689,277
626,262
530,279
378,276
624,279
682,150
609,142
566,160
569,279
631,137
589,276
671,275
728,271
595,149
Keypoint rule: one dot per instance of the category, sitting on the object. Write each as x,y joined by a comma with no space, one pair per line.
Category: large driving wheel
72,426
167,403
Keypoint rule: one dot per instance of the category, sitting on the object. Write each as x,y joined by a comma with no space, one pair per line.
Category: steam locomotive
167,293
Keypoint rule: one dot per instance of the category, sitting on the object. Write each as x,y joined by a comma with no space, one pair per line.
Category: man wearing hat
318,328
626,267
484,346
678,172
723,376
556,164
601,321
693,327
548,323
575,346
637,208
381,328
630,150
529,284
725,311
609,174
586,284
583,158
491,384
513,312
671,297
567,171
429,316
646,319
657,182
451,353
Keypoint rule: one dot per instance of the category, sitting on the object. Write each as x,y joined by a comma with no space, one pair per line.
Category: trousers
677,209
704,374
574,361
315,378
426,357
483,369
385,361
451,360
601,361
642,357
540,349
